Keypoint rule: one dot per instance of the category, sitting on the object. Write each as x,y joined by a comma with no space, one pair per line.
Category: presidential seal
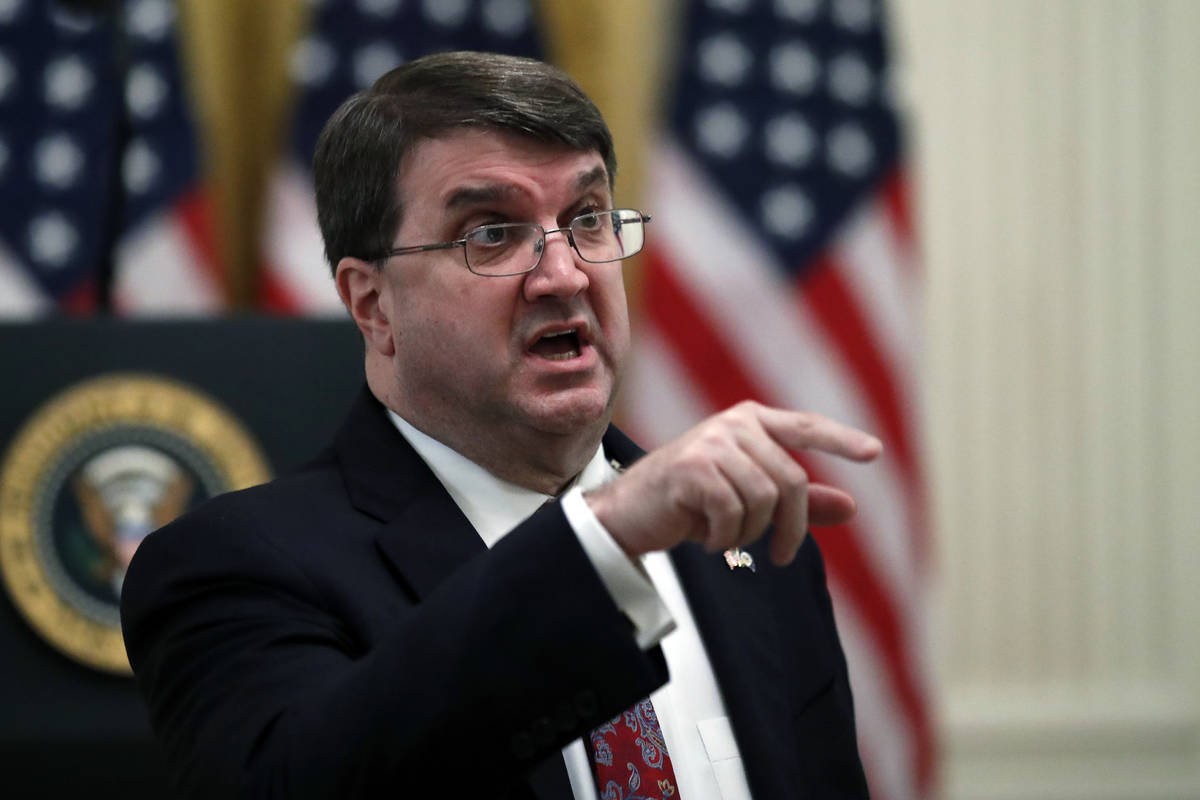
96,469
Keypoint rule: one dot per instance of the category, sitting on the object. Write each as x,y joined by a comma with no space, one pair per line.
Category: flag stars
725,60
52,239
71,21
787,212
793,68
721,130
68,83
9,10
730,6
857,16
850,150
140,168
801,11
150,19
312,61
789,140
372,60
145,91
850,79
446,13
8,76
382,9
57,161
506,17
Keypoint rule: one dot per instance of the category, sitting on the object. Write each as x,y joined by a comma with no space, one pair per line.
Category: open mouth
558,346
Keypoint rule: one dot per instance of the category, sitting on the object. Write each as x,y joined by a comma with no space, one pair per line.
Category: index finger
805,430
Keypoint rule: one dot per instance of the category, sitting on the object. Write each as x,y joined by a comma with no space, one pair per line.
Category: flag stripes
727,324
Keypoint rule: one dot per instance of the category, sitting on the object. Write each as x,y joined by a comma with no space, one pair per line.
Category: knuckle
686,462
750,411
806,422
713,437
764,493
723,504
690,469
727,502
694,458
794,478
739,414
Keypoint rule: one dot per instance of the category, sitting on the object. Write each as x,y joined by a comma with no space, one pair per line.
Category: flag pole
237,55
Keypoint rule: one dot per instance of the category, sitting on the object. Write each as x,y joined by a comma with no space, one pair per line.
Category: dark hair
362,147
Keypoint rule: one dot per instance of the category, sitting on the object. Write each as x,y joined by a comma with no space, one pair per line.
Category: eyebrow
478,195
587,180
495,192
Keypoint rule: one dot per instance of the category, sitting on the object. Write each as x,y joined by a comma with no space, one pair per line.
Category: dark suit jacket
343,632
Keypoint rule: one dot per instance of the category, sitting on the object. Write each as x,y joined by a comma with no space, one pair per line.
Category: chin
572,412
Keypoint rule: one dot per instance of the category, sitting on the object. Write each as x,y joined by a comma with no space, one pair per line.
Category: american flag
349,45
781,268
98,164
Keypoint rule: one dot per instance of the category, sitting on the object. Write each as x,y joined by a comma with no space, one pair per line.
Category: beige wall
1058,173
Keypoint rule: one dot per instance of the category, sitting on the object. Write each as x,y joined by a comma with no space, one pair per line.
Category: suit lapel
428,540
737,622
425,536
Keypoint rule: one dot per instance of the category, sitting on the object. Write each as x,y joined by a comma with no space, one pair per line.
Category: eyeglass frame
566,231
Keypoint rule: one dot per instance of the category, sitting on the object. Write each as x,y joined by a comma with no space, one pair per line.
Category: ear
362,287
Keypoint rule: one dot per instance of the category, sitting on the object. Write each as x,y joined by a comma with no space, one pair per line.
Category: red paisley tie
630,759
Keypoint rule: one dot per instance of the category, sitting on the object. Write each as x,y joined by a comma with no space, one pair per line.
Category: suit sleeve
258,689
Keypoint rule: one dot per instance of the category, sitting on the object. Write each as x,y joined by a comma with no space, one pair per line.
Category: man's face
483,354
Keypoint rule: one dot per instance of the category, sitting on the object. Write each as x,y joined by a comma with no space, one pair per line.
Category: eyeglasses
514,248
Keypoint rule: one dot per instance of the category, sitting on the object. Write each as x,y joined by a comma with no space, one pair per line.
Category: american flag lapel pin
737,557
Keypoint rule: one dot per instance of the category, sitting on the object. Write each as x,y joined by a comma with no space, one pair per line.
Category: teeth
563,356
560,333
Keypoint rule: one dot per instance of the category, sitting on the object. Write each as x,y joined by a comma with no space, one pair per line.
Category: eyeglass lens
512,248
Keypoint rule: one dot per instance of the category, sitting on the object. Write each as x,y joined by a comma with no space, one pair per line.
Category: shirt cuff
628,584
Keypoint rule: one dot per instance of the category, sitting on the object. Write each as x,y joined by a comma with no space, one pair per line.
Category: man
462,593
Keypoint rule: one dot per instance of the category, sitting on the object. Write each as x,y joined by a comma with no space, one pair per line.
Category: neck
533,459
544,464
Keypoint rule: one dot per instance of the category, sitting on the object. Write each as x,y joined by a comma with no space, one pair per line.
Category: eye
490,235
588,221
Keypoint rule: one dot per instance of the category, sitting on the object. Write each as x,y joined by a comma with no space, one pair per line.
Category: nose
560,272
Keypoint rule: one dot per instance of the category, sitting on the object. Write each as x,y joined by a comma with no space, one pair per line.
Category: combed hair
361,149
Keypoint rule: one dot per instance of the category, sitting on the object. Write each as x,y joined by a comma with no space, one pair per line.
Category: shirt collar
492,505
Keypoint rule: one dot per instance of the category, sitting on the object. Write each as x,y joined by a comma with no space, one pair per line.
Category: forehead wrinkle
484,194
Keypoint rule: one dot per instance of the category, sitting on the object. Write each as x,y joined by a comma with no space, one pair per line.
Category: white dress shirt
690,710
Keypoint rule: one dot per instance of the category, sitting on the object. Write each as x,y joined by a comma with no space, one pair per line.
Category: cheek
453,320
613,311
457,336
